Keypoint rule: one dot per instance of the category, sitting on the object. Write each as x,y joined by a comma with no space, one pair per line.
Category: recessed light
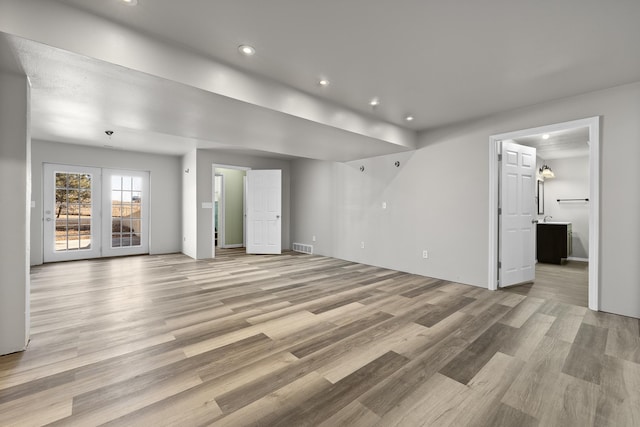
129,2
246,50
546,136
323,82
374,102
409,118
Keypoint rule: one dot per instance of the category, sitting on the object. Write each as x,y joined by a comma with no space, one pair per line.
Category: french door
94,212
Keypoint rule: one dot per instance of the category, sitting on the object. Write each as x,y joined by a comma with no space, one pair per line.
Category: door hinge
499,264
499,157
499,211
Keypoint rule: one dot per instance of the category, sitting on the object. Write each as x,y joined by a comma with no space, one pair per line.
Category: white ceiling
75,99
442,62
560,144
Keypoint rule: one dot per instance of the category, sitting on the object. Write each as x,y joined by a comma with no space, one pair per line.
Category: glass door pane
126,211
73,211
70,210
127,206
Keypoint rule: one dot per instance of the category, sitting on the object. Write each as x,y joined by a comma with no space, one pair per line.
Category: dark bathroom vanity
553,242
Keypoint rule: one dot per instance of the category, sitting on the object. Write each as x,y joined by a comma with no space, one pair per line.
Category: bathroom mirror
540,197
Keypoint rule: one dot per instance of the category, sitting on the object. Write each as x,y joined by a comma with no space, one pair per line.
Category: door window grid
126,211
73,211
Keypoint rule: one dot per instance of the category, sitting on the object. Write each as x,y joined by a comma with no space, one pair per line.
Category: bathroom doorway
570,202
229,207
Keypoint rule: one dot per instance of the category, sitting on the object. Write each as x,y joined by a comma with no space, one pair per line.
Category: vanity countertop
554,223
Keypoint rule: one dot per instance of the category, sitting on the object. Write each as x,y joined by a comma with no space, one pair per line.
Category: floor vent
305,249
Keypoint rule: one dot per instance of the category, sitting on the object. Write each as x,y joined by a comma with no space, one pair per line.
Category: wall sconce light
186,170
361,168
546,172
397,163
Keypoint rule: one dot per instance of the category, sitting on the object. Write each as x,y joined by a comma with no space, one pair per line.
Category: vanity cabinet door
553,242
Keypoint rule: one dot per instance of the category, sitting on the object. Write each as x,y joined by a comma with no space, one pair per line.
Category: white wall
205,161
189,205
438,199
312,200
571,182
15,191
165,199
424,199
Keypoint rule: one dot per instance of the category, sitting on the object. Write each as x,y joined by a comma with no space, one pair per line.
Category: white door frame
593,123
215,166
220,237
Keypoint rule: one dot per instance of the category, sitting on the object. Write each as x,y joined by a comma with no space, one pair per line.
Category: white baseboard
572,258
237,245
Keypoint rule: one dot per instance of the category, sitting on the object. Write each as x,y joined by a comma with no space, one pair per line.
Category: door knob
534,221
48,219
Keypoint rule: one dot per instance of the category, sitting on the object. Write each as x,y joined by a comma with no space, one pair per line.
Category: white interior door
72,204
244,211
264,211
519,214
125,219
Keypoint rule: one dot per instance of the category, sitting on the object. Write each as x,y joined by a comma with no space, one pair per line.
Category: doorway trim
220,233
593,123
215,166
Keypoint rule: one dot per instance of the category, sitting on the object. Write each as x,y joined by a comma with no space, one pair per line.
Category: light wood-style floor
567,283
298,340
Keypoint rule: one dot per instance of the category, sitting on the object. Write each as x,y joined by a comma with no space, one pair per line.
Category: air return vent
302,248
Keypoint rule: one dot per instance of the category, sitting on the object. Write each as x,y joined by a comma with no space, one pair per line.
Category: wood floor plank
623,344
297,339
486,389
332,337
355,415
619,400
277,404
319,407
428,405
585,360
505,415
574,403
531,391
51,407
522,312
477,354
443,310
339,368
526,339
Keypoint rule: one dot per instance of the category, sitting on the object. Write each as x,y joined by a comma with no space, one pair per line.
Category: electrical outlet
361,245
425,254
313,238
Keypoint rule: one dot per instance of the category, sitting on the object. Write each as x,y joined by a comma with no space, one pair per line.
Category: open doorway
229,184
564,205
